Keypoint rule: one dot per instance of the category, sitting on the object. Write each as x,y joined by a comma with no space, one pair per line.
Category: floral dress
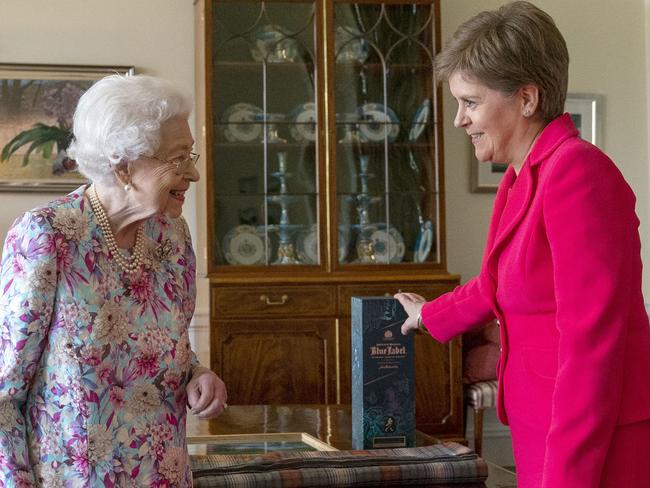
93,362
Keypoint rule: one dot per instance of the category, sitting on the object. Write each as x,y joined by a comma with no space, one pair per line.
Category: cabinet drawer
273,301
427,290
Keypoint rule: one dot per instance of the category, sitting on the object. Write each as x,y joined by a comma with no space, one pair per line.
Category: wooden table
329,423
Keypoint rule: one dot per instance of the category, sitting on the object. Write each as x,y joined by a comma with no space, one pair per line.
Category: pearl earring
127,187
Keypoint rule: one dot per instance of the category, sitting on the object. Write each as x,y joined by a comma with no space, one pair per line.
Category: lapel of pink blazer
516,192
516,195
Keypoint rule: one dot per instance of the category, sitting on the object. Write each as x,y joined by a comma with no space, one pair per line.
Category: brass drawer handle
283,300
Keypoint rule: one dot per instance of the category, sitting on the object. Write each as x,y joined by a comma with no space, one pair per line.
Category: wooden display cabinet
324,181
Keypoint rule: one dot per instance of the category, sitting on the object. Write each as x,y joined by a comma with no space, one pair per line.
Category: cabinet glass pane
386,157
289,235
264,164
407,235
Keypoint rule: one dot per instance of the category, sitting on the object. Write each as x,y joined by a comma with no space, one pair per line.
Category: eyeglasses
182,165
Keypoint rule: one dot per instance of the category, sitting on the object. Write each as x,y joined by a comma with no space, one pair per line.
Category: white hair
119,118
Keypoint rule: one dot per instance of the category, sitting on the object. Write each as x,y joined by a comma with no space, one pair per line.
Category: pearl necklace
128,264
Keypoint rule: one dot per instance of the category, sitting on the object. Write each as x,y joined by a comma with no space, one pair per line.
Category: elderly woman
561,270
96,295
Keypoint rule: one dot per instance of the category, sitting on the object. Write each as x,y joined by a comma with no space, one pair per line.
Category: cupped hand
412,304
206,394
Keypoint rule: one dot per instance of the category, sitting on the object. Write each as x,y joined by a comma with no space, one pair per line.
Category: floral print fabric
93,362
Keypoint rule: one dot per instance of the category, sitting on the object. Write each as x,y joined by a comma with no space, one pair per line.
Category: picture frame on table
37,102
585,110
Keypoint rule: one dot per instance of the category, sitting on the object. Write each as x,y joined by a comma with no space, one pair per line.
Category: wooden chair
479,396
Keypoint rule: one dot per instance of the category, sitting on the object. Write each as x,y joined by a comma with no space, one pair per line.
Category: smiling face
159,189
495,121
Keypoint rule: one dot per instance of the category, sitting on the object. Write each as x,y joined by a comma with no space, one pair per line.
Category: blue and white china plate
378,121
307,245
304,122
420,120
424,242
349,46
388,243
244,245
274,46
240,123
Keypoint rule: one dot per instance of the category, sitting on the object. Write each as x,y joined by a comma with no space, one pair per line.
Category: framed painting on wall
36,106
585,112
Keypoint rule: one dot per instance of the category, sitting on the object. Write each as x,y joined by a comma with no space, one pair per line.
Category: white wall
608,57
646,56
155,36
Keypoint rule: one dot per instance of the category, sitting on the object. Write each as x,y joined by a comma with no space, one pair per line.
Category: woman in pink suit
561,270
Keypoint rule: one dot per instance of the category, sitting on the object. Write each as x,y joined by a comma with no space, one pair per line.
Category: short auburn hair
507,48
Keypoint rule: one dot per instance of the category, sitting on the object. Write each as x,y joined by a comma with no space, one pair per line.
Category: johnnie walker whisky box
383,375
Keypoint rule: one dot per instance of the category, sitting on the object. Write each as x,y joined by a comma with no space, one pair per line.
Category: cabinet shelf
414,191
303,144
391,145
292,65
266,195
296,226
292,123
257,145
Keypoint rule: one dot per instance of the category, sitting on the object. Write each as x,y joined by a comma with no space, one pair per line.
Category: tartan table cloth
444,464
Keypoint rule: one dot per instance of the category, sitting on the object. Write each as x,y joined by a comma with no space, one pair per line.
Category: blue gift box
383,375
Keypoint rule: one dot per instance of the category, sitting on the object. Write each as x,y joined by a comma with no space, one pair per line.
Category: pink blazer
562,274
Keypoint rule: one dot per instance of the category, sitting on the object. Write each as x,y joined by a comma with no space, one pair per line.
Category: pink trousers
627,464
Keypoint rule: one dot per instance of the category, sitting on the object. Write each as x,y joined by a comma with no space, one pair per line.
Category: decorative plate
374,118
349,45
424,242
274,46
244,245
388,243
420,120
240,119
307,245
304,122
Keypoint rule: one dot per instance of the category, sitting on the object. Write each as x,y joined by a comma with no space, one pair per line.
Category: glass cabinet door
386,155
264,159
